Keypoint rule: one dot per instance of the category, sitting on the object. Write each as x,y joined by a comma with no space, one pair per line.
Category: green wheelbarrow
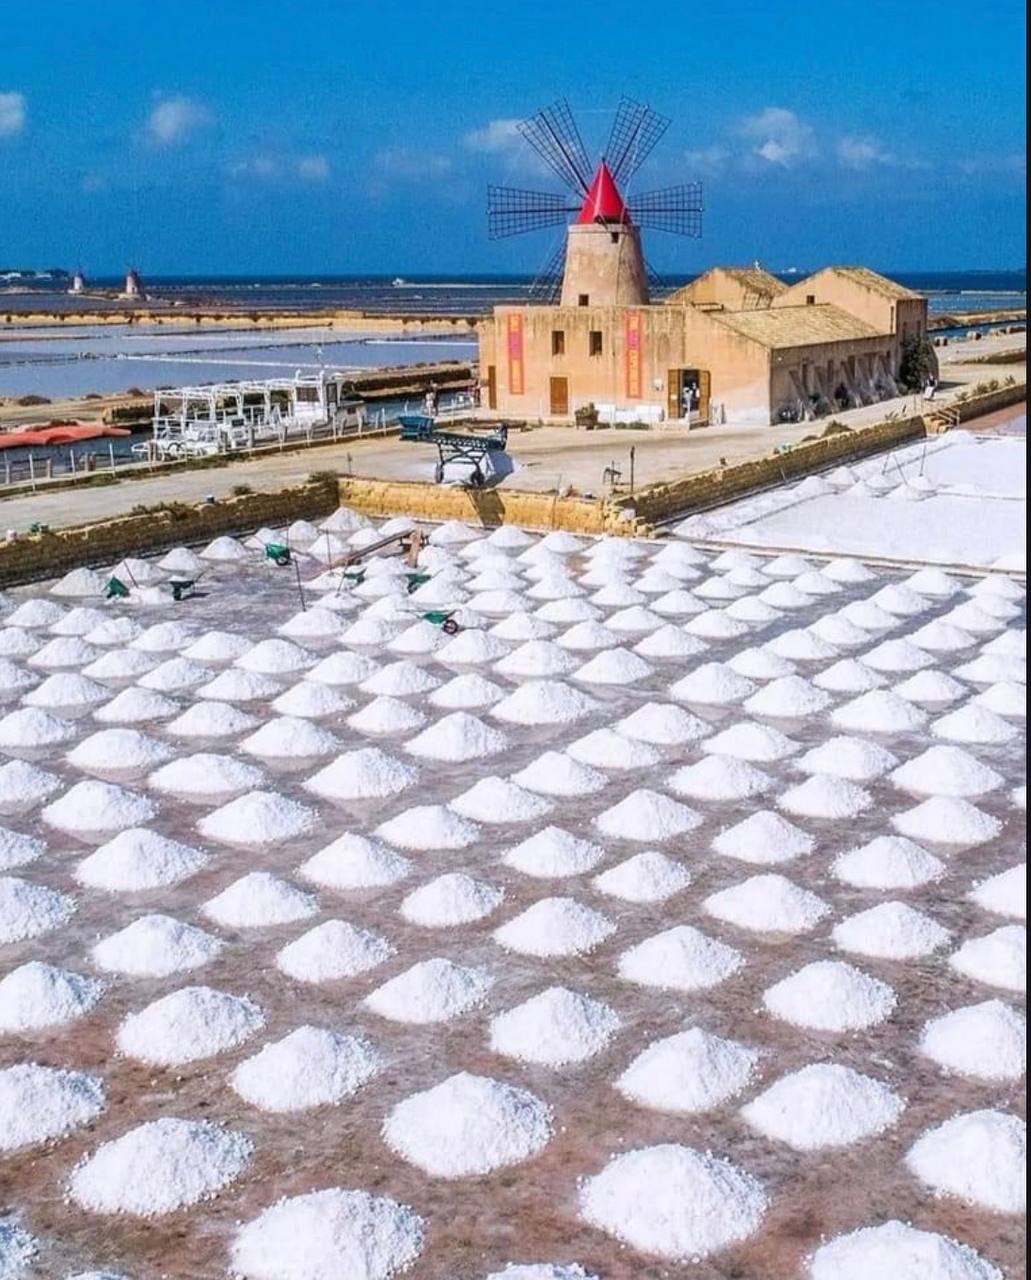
443,618
278,554
115,589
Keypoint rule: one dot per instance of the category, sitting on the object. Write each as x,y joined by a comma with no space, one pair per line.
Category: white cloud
862,153
781,137
1014,162
708,160
175,119
496,136
313,168
13,114
405,165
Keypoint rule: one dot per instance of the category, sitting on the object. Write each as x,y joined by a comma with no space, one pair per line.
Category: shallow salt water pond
538,1150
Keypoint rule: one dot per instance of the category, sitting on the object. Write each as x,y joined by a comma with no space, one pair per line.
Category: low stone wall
47,555
660,502
977,406
487,507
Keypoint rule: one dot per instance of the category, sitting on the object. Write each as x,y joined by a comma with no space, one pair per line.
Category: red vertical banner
516,369
632,343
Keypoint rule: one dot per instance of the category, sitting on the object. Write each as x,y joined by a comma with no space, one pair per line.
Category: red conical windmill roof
603,203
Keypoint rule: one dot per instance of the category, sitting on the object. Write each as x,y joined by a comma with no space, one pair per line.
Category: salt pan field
668,920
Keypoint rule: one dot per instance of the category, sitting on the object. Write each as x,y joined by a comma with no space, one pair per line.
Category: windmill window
810,299
584,300
594,342
558,342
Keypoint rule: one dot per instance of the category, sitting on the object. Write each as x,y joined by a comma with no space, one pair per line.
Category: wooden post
111,453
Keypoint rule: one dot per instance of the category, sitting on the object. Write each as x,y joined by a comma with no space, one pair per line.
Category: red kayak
71,433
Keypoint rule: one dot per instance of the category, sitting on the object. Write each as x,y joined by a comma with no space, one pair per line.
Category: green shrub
917,364
241,490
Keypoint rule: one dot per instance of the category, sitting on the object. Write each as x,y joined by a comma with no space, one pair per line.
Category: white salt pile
946,771
210,720
647,815
785,595
557,774
635,620
385,715
468,1125
610,750
947,820
429,826
662,724
35,613
674,1202
868,616
973,618
553,853
121,664
942,637
888,862
588,636
240,686
38,1103
310,1067
764,838
181,560
845,570
785,566
999,959
678,603
420,638
824,796
899,599
258,818
978,1156
494,799
839,632
362,775
473,647
930,687
458,737
823,1105
259,900
714,683
15,642
136,706
450,900
897,1249
989,668
164,637
614,666
79,583
752,609
288,737
688,1072
851,758
767,904
555,927
467,693
159,1167
37,995
30,728
890,931
544,702
716,624
829,995
175,675
896,656
355,862
670,642
789,697
975,724
537,658
64,651
155,946
646,877
331,951
225,550
1011,643
16,850
399,680
93,808
188,1024
555,1028
761,664
879,711
329,1233
13,679
541,1271
17,1251
205,776
1004,894
139,859
22,786
64,690
431,991
719,778
217,646
985,1041
274,657
848,676
679,959
522,626
801,645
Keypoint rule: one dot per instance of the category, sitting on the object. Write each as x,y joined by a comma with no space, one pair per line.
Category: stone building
736,345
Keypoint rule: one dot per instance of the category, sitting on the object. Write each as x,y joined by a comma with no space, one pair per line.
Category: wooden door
492,386
673,384
559,398
704,390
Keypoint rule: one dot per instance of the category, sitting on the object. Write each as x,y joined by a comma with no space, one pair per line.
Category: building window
584,300
810,299
594,342
558,342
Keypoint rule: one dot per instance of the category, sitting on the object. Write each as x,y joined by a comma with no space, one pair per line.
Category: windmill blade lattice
513,210
553,134
547,285
635,131
674,209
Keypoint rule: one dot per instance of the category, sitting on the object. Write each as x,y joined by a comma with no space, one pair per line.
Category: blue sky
247,136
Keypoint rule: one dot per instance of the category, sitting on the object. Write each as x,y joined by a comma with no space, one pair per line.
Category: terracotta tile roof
796,326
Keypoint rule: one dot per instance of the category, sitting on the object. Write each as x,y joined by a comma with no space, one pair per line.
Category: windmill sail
553,134
635,131
674,209
513,210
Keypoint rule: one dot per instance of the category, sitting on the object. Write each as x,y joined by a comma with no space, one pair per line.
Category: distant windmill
602,269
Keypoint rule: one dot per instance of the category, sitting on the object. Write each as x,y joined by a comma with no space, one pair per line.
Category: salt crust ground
151,923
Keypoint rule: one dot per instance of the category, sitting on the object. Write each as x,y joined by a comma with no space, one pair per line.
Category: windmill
599,261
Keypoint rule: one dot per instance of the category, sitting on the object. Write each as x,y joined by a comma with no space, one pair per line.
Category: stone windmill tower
600,262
